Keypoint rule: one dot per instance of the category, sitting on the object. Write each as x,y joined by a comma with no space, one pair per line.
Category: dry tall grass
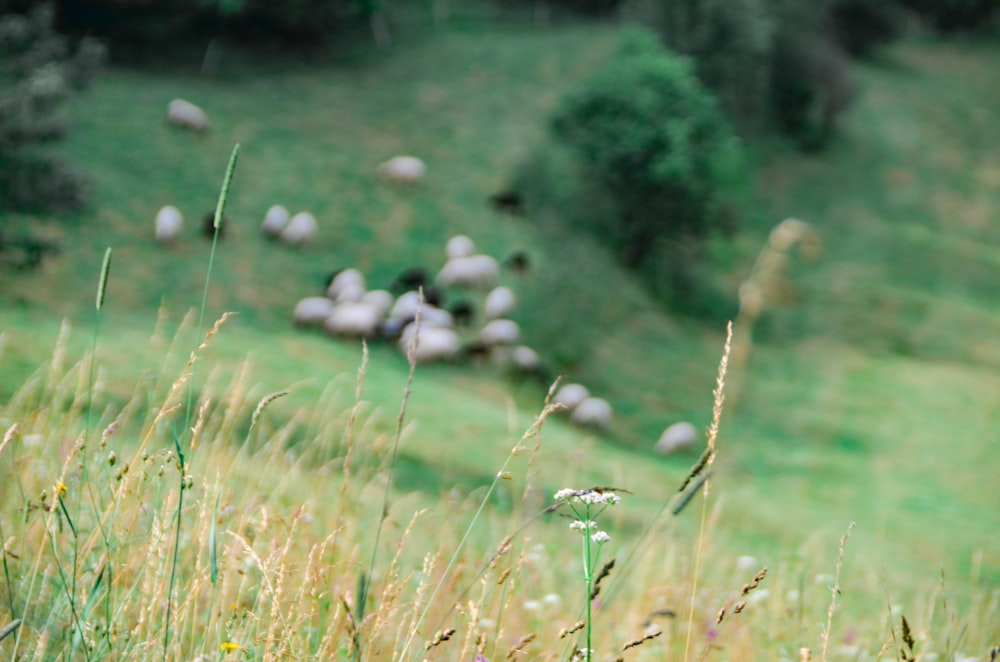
277,534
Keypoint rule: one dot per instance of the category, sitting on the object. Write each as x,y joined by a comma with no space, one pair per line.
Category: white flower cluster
600,537
581,525
593,497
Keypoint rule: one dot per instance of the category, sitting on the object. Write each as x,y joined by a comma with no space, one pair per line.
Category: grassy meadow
870,398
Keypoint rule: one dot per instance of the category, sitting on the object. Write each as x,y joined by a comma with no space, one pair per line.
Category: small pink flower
850,636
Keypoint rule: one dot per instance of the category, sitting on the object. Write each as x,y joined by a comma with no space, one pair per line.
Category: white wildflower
600,537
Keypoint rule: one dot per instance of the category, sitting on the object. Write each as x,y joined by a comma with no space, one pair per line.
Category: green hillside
871,398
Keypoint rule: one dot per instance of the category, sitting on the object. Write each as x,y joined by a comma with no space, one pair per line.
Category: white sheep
470,271
677,437
500,332
459,246
402,170
348,279
300,230
592,412
381,299
433,343
525,359
312,310
275,221
405,307
571,395
354,319
168,224
187,116
499,302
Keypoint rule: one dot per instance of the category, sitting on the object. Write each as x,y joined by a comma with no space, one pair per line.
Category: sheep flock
409,312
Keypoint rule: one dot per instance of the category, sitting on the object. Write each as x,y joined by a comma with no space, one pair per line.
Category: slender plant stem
219,209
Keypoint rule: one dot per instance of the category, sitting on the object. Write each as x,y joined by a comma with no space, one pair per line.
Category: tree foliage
652,141
38,72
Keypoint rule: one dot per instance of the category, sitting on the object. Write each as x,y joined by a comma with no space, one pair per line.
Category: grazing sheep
354,320
525,359
500,332
433,343
300,230
571,395
592,412
208,226
343,279
275,221
381,299
499,302
463,311
168,224
459,246
677,437
186,115
508,202
519,262
402,170
312,311
405,307
473,271
410,279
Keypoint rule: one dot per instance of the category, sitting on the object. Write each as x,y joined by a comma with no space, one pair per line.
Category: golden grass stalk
835,590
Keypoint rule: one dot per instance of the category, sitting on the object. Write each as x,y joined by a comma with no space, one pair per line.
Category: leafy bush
955,15
811,87
37,75
653,141
861,26
775,63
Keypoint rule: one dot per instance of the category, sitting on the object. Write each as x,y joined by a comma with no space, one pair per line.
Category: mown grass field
872,399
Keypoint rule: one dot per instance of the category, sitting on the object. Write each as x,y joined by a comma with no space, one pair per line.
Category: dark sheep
463,311
208,226
519,262
508,202
410,279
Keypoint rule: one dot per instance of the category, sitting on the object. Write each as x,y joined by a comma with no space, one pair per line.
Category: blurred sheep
411,278
312,311
500,332
499,302
300,230
275,221
354,320
592,412
571,395
518,262
677,437
459,246
381,299
402,170
186,115
430,343
208,226
463,311
508,202
169,222
346,280
473,271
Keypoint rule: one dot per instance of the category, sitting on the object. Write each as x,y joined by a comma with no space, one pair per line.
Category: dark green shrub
811,87
652,142
862,26
955,15
38,73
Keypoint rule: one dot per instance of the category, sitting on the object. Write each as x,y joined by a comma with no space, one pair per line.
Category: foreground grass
270,559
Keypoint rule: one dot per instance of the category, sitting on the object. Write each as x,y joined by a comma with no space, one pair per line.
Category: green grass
871,400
